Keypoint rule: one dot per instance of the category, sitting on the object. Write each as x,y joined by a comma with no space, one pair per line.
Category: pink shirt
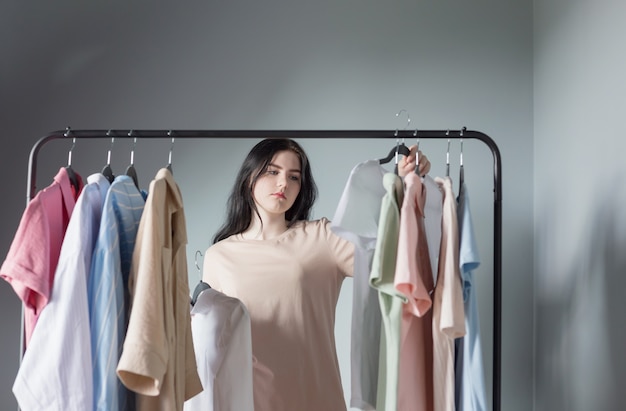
414,279
448,310
34,253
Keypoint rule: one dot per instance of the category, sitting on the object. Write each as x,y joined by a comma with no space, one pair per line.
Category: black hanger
130,170
73,178
107,171
201,285
70,171
196,293
399,148
132,173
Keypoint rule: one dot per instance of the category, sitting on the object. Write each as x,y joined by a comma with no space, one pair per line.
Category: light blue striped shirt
108,290
470,383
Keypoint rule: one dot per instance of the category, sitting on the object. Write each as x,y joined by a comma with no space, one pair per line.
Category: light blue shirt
470,383
108,290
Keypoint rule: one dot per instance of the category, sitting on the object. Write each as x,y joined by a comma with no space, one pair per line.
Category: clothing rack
325,134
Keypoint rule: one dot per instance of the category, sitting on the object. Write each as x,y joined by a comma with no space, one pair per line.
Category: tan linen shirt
158,360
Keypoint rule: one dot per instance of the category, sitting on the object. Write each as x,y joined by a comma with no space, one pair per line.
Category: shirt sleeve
26,266
342,249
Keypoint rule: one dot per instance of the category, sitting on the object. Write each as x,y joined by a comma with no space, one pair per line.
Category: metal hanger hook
69,154
461,141
408,120
110,149
109,133
417,151
196,262
448,155
171,149
132,151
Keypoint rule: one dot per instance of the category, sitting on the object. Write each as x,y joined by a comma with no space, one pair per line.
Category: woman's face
277,188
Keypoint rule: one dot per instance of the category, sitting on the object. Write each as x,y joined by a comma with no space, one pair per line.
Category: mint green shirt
382,279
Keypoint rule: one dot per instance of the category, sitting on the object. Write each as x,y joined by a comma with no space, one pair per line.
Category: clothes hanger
399,148
448,155
70,171
130,170
417,154
461,172
107,171
201,285
169,160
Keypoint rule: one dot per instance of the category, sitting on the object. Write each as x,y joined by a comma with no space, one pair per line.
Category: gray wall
279,65
579,191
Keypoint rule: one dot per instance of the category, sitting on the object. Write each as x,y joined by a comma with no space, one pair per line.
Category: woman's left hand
406,164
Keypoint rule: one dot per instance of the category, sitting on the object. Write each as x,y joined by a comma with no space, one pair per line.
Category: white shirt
356,220
220,327
55,373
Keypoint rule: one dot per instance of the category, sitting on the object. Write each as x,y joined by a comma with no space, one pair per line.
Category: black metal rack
326,134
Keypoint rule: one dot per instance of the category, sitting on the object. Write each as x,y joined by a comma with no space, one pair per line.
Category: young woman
288,272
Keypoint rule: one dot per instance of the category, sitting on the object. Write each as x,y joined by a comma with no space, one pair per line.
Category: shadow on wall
580,332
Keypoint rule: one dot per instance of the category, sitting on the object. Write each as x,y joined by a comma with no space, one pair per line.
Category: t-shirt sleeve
342,249
357,213
26,266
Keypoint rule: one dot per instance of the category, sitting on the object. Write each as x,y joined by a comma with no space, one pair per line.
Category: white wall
580,227
279,65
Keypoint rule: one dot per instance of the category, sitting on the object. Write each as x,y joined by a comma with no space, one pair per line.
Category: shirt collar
69,193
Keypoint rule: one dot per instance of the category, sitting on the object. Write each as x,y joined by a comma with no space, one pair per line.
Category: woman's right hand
406,164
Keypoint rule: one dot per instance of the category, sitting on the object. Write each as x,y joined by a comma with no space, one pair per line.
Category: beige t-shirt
290,286
448,310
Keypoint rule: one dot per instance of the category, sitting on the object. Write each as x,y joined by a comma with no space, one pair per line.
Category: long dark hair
241,204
